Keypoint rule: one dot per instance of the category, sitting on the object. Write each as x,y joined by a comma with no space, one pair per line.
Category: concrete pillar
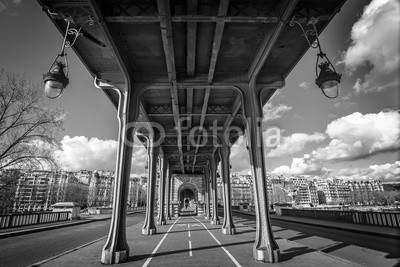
149,228
161,196
265,248
116,249
207,193
228,228
214,193
168,194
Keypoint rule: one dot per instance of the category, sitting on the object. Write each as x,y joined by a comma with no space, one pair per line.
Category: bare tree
27,126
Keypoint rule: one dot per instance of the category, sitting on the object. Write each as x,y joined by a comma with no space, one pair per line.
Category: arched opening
187,200
187,194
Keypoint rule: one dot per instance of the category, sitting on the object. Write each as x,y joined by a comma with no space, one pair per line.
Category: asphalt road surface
363,249
27,249
368,250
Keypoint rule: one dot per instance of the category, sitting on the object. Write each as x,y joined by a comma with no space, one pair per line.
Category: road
27,249
359,248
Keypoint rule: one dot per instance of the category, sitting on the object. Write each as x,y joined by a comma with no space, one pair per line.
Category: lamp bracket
307,32
75,32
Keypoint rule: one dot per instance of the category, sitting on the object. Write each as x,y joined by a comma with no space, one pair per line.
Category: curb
52,227
329,226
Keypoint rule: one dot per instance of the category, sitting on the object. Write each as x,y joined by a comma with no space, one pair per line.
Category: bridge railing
22,219
106,210
391,219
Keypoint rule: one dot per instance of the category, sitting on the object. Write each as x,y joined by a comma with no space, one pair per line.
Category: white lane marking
189,226
219,243
189,233
190,249
158,246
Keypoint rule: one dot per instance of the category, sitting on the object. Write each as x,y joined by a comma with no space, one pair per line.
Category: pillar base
229,231
163,222
146,231
168,218
215,222
112,257
266,255
206,218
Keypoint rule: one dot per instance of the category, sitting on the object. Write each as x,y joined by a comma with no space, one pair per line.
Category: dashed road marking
159,244
219,243
189,233
190,249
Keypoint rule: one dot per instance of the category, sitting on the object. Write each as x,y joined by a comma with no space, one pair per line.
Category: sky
354,137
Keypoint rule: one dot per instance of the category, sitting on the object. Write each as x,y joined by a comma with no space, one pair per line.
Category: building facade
101,188
38,190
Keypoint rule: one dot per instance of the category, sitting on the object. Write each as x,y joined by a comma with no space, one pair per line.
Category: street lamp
56,79
327,78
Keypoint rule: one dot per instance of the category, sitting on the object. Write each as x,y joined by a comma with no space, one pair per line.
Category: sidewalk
383,231
23,230
193,241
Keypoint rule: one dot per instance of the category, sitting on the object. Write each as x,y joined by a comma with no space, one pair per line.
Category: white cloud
304,85
353,137
375,43
295,143
307,165
359,136
388,172
240,156
79,153
272,112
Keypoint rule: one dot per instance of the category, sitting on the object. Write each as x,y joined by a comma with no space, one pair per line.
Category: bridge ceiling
190,54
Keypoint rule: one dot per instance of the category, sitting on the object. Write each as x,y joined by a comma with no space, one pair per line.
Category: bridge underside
192,76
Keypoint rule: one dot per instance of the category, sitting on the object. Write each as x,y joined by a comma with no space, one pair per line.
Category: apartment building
84,176
101,188
38,190
306,194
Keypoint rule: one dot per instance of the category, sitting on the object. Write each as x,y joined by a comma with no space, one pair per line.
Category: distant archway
188,197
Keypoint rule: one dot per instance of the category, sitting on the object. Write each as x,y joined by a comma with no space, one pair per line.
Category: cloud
81,153
304,85
307,165
375,44
359,136
343,104
353,137
5,6
389,172
332,116
240,156
295,143
272,112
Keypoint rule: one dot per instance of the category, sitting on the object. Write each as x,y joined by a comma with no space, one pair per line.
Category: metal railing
107,210
391,219
22,219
